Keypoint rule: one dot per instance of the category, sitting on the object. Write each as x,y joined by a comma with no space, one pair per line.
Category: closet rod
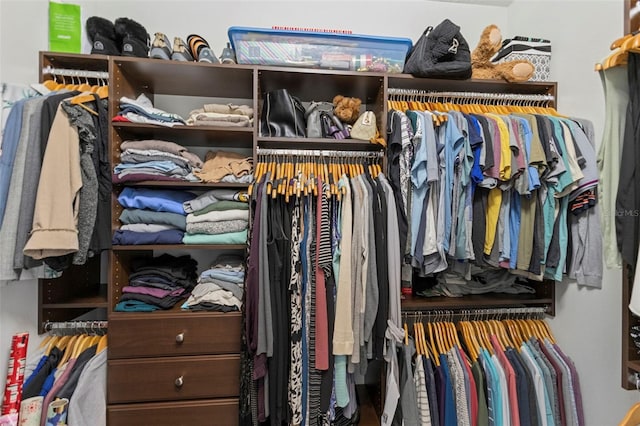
435,315
74,327
75,73
472,95
321,153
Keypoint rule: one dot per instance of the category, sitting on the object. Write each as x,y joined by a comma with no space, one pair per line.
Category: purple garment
577,393
54,390
170,236
155,292
137,177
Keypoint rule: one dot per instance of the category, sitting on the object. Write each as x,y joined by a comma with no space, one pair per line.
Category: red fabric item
322,322
15,374
121,118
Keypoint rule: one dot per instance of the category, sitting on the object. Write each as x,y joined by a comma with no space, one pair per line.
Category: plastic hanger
102,344
632,418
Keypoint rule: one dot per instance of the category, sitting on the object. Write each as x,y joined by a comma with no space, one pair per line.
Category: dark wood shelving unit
318,143
179,247
185,184
246,85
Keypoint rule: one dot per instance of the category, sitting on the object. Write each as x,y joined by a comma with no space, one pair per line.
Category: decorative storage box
537,51
315,49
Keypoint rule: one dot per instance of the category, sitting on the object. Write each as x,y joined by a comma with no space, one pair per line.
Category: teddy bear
346,109
482,67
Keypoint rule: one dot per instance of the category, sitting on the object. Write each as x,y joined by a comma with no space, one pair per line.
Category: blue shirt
10,139
450,418
453,141
159,200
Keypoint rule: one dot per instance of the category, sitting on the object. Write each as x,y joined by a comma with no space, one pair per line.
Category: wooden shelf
174,312
231,137
407,81
489,300
318,143
184,184
634,365
322,85
179,247
76,61
97,301
166,77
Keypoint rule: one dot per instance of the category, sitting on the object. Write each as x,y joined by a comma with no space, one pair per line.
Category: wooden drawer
222,412
174,334
169,379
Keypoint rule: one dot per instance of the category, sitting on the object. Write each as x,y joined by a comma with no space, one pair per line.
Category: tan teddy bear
482,67
346,109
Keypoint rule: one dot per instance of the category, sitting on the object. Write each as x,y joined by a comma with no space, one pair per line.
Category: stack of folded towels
152,216
220,287
141,110
158,283
156,160
219,216
228,115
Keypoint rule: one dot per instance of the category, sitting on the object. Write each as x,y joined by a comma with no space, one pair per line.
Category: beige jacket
55,218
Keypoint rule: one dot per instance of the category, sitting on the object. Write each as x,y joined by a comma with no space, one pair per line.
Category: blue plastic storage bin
308,49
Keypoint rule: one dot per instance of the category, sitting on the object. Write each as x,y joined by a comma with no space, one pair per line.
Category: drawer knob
179,382
180,338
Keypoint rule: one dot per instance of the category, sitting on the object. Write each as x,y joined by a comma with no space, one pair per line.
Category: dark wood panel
188,413
318,143
190,333
188,78
172,379
204,136
180,247
416,303
320,85
406,81
183,184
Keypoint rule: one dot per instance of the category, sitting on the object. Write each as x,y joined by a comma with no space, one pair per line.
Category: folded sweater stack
228,115
225,166
219,216
158,283
151,216
155,160
220,287
141,110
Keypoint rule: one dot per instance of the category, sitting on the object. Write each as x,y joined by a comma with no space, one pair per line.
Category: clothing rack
320,153
463,97
75,73
75,327
449,315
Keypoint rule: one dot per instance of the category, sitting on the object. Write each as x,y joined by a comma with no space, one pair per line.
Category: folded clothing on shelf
227,238
228,115
141,110
151,216
158,283
220,164
220,288
214,196
155,160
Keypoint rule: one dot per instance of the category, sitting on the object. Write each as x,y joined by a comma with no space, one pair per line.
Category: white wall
587,322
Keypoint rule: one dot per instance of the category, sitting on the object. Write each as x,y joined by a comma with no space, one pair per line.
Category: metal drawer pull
180,338
179,381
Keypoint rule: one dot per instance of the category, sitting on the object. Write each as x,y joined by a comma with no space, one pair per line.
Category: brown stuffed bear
482,67
346,109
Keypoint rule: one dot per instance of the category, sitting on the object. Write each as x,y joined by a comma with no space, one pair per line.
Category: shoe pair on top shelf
195,49
124,37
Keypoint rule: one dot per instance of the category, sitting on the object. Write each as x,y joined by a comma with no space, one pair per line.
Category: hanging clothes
316,307
508,191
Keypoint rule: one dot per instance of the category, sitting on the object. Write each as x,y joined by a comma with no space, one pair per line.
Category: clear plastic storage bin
327,50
